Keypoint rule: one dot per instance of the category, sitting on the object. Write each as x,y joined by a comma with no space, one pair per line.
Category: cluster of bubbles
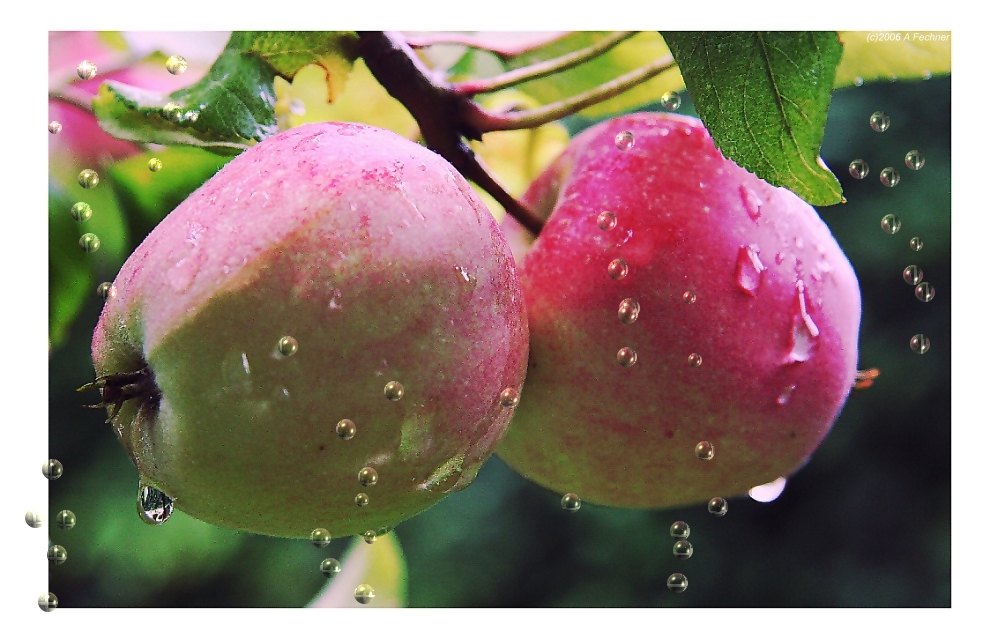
682,549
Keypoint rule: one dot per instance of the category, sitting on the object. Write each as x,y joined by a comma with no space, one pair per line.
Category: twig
483,44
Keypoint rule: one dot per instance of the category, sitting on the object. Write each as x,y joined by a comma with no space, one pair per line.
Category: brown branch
483,44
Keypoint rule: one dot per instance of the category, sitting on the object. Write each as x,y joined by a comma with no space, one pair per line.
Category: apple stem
118,388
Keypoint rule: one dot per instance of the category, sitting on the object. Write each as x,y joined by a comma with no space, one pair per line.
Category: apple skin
379,259
627,436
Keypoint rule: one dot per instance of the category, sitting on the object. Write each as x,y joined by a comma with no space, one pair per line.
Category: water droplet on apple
393,391
320,537
153,505
55,127
361,499
891,223
628,311
912,275
52,469
509,398
751,202
48,602
367,476
920,343
858,169
879,121
889,176
680,530
916,243
627,357
624,140
749,269
618,268
689,297
288,346
346,429
81,211
768,492
677,582
89,242
329,567
924,292
718,506
155,164
176,65
704,451
785,396
683,549
86,70
364,593
88,178
606,220
694,360
369,536
570,502
57,555
915,160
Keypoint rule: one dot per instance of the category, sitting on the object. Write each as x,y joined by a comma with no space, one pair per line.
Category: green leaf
381,565
764,97
885,55
232,107
69,273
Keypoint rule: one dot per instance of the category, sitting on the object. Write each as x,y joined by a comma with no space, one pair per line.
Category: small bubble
891,224
33,518
704,451
86,70
367,476
369,536
320,537
65,519
48,602
926,74
153,505
329,567
671,100
858,169
570,502
55,127
677,582
915,160
89,242
694,360
57,555
680,530
393,391
889,176
155,164
173,112
106,291
81,211
509,398
718,506
689,297
176,65
297,107
364,594
920,343
606,220
916,243
346,429
879,121
361,499
88,178
912,275
627,357
617,269
53,469
624,140
858,81
628,311
924,292
288,346
683,549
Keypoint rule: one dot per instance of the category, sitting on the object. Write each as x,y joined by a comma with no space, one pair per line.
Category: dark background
867,523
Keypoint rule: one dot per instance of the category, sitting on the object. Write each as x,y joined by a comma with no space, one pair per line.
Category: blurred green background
867,523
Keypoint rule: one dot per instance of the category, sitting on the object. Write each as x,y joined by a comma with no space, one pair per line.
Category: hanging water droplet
320,537
683,549
767,492
689,297
367,476
786,395
704,451
879,121
924,292
154,164
369,536
858,169
718,506
89,242
33,518
891,224
694,360
920,343
916,243
606,220
361,500
86,70
617,269
627,357
65,519
628,311
288,346
52,469
680,530
912,275
393,391
176,65
57,555
671,100
329,567
915,160
153,505
677,582
55,127
751,202
889,176
346,429
749,270
48,602
364,594
624,140
509,398
81,211
106,291
570,502
88,178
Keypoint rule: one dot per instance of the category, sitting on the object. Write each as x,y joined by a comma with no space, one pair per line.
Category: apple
329,333
694,330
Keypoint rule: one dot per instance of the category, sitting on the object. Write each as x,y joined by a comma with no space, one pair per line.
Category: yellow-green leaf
882,55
